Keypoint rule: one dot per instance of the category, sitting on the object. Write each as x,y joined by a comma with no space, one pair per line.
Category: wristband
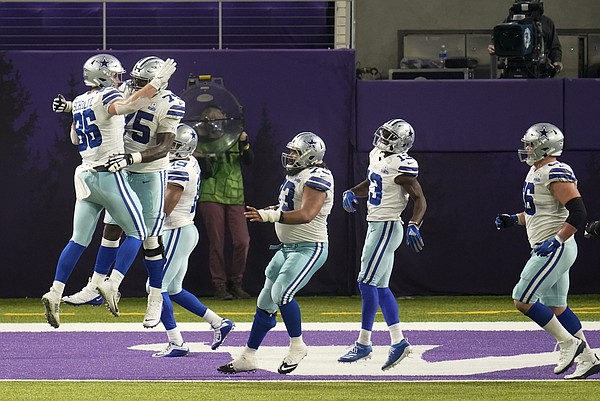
136,157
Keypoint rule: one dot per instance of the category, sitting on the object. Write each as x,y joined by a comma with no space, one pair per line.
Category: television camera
519,43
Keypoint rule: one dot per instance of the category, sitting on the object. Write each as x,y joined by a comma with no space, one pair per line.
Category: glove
506,220
549,246
61,105
122,160
269,215
348,199
591,229
163,74
413,237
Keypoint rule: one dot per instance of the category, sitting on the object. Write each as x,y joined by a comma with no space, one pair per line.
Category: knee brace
153,248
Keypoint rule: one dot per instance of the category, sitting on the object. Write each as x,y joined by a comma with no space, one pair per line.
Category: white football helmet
103,70
541,140
144,70
395,136
305,149
185,142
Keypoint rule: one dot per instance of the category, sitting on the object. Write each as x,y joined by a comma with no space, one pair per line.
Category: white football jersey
185,173
100,133
544,214
387,200
290,198
142,127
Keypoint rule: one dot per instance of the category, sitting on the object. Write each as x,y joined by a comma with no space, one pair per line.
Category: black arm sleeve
205,167
246,155
577,212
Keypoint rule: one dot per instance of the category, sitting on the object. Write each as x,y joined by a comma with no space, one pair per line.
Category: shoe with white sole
396,354
244,363
293,358
111,297
88,295
221,333
357,352
173,350
153,311
567,354
587,365
51,301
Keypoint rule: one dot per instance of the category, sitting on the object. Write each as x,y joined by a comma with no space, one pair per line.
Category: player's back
142,128
290,198
100,133
186,173
387,200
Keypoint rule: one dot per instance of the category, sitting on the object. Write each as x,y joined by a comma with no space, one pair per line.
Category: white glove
122,160
61,105
269,215
163,74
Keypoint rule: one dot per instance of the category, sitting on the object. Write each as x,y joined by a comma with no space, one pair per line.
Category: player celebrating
149,133
554,211
181,237
305,201
391,182
97,130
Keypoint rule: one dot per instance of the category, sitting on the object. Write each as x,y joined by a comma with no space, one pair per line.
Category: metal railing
119,25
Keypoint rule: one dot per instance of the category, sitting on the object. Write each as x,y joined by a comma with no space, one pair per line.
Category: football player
391,182
97,130
149,133
553,212
180,238
300,217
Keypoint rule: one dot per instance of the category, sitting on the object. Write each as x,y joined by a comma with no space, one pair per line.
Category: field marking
323,326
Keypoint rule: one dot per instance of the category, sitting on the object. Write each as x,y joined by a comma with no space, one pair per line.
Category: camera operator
552,49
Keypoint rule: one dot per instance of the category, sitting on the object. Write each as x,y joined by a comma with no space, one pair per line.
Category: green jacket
222,180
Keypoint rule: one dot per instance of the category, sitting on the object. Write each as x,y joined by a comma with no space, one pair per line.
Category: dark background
467,136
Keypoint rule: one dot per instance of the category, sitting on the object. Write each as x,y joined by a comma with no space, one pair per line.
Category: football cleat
87,296
567,354
293,358
173,350
221,333
357,352
244,363
51,301
153,311
587,365
111,297
396,354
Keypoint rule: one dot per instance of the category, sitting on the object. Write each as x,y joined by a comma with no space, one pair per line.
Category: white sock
248,350
174,336
96,280
212,318
58,287
116,277
557,330
364,337
155,292
295,341
395,333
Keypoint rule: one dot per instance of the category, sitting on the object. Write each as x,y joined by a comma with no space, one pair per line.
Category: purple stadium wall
467,135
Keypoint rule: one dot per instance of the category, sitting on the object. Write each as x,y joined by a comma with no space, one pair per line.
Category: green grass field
314,309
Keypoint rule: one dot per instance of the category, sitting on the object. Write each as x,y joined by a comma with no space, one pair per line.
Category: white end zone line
245,326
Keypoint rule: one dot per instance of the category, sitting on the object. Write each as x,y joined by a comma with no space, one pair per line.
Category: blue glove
549,246
506,220
348,201
413,237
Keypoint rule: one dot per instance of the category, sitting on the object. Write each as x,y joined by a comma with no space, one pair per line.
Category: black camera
519,42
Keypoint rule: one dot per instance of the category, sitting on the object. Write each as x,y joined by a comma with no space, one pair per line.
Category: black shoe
221,293
237,291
